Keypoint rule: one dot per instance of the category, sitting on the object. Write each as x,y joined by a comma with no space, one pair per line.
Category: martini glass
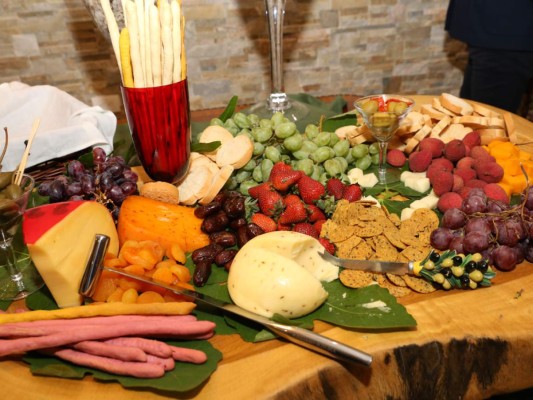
17,279
382,114
278,100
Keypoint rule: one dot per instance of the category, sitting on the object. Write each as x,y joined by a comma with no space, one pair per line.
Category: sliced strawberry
318,225
306,228
293,213
352,193
310,190
335,187
284,180
314,213
256,191
330,247
264,222
270,203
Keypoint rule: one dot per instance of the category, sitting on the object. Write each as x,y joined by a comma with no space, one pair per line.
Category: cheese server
390,267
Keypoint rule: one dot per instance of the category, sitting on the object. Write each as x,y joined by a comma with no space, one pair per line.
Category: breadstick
125,59
148,52
155,45
176,40
138,77
113,29
166,36
141,36
183,58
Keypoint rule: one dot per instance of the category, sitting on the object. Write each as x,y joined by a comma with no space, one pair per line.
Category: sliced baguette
186,195
485,111
410,145
440,126
432,112
435,102
510,127
476,122
217,183
422,133
215,133
456,104
454,131
490,134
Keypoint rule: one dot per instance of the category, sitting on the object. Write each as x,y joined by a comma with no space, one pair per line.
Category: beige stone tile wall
330,47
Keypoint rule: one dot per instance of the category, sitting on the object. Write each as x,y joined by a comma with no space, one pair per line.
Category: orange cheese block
59,237
142,218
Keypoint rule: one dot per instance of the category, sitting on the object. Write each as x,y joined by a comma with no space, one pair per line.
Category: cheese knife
390,267
297,335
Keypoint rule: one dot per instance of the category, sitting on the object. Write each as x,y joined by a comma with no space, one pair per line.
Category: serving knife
391,267
297,335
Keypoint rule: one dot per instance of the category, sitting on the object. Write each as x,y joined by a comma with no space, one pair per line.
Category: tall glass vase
278,101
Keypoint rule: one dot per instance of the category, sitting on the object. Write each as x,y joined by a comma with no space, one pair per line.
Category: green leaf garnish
205,147
230,109
333,123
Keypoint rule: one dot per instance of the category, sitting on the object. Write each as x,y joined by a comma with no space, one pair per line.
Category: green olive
400,107
370,106
5,179
383,119
13,191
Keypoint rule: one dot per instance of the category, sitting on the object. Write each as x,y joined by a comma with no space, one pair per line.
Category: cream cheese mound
280,273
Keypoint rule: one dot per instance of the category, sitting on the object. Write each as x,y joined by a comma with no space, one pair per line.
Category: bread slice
235,152
440,126
432,112
476,122
456,104
422,133
510,127
215,133
490,134
483,111
454,131
217,183
435,102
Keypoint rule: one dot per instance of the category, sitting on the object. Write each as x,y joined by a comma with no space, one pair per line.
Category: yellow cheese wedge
59,238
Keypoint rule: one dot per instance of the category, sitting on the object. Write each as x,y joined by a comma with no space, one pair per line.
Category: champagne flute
382,114
278,100
17,281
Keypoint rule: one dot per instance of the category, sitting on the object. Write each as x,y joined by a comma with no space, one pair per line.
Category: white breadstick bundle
138,75
148,74
155,45
165,14
176,39
112,26
141,36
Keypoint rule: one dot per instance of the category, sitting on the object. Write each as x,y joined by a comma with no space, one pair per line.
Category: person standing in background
499,35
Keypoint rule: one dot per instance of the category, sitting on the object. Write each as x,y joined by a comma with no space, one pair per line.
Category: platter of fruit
260,203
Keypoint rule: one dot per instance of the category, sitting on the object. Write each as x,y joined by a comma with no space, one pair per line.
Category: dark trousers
497,77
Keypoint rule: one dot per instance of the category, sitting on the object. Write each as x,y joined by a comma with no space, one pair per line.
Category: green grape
273,154
259,148
364,162
277,119
266,124
322,154
294,143
231,183
266,167
286,158
359,150
261,135
343,162
230,123
300,155
373,148
305,165
309,146
285,130
317,171
333,139
349,158
341,148
245,132
241,176
311,131
243,188
322,139
375,159
241,120
216,121
254,119
250,165
333,167
324,177
257,174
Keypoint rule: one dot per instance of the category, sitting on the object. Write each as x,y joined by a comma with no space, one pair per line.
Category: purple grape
475,242
456,244
473,204
44,188
87,183
496,207
56,191
441,237
528,253
128,188
73,189
75,169
116,195
99,155
477,192
76,198
479,225
529,199
509,232
115,170
131,176
453,218
504,258
105,181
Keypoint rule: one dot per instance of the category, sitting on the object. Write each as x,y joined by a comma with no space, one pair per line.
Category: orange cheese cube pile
144,258
511,158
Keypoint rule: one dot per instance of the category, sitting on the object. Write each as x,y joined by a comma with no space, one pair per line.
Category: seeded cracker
418,284
356,279
362,252
345,247
396,279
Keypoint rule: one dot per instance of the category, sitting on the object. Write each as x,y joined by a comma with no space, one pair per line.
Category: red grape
504,258
440,238
473,204
478,225
475,242
453,218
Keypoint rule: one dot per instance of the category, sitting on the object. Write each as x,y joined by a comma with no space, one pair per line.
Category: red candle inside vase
159,121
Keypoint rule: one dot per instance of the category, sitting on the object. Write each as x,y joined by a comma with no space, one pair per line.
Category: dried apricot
163,274
104,288
116,296
181,272
175,252
150,297
130,296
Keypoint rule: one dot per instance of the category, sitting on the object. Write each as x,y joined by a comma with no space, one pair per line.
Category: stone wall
330,47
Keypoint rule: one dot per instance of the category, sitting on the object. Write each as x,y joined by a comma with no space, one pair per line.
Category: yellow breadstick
125,58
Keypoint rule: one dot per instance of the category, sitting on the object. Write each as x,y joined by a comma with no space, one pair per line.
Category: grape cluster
501,233
109,181
320,155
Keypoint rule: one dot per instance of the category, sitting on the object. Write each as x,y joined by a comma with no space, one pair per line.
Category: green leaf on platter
333,123
396,207
184,377
395,188
205,147
41,300
230,109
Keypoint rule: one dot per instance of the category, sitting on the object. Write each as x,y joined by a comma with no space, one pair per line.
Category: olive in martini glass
382,113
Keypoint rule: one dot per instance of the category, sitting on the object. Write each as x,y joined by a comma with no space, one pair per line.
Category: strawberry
283,227
314,213
335,187
352,193
318,225
305,228
284,180
310,189
264,222
256,191
330,247
291,198
278,168
295,212
270,203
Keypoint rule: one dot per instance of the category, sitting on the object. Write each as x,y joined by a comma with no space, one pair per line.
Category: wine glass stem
382,169
275,10
12,270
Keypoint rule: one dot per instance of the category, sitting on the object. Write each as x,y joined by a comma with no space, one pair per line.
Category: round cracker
418,284
355,278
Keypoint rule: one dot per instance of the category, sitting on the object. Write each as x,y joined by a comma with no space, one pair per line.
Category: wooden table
468,345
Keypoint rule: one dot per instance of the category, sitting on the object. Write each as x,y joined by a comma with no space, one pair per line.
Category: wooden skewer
17,176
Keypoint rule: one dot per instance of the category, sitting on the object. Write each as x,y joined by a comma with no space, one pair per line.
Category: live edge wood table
467,345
